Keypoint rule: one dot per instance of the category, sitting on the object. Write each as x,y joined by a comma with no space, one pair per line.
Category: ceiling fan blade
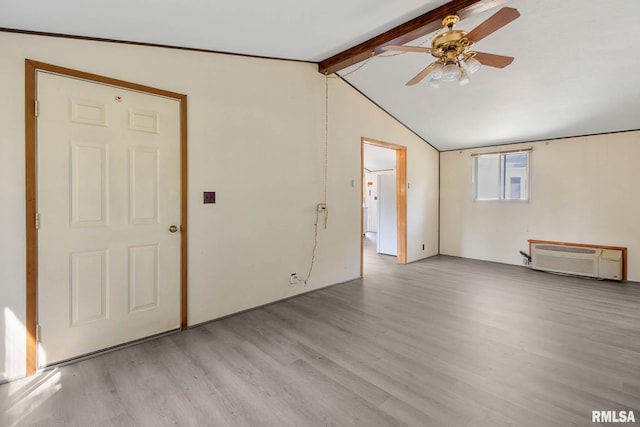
409,48
492,60
479,7
422,74
493,23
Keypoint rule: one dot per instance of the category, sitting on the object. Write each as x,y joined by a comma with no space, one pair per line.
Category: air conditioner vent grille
570,249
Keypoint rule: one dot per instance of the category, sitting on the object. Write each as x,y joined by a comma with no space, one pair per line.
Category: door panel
88,287
143,277
89,166
108,191
143,185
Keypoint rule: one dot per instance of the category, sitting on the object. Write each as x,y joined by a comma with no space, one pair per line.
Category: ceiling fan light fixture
434,83
472,65
454,60
451,72
464,79
436,73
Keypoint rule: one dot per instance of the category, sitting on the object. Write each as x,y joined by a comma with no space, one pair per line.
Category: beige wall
583,190
256,135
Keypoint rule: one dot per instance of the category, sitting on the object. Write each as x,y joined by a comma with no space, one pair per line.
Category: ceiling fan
454,60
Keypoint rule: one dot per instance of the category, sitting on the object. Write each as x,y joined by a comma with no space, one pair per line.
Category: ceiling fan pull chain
326,140
365,62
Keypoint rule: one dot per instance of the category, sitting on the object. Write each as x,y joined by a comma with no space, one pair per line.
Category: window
501,176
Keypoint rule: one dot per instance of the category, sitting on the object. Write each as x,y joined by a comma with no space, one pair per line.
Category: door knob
173,229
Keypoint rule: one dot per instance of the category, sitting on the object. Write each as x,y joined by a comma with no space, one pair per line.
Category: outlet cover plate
209,197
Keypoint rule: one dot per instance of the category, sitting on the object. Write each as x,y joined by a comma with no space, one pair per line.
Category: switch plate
209,197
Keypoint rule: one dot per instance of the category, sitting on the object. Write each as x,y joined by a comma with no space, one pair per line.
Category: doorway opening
384,199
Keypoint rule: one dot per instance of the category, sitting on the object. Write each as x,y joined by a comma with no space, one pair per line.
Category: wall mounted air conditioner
582,260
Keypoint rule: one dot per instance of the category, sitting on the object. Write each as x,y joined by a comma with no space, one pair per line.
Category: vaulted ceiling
576,67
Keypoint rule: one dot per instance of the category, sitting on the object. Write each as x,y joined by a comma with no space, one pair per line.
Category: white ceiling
291,29
576,67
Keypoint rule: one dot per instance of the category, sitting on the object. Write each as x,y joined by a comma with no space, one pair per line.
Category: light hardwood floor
441,342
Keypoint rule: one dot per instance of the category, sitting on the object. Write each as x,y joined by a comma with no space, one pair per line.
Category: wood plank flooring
441,342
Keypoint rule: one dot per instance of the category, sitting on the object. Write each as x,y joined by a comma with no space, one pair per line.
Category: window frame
502,176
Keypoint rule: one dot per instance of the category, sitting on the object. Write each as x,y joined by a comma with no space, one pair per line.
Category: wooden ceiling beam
404,33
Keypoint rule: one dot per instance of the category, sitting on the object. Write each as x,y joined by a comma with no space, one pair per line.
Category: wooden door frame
401,197
31,68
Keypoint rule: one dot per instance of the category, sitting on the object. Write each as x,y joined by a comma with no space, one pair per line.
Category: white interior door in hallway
387,215
108,193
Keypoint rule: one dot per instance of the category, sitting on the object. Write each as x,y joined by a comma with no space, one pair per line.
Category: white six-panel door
108,193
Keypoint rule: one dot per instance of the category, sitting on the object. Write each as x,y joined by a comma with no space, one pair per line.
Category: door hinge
38,333
37,220
36,109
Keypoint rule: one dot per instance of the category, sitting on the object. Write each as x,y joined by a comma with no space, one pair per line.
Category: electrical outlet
322,207
293,279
